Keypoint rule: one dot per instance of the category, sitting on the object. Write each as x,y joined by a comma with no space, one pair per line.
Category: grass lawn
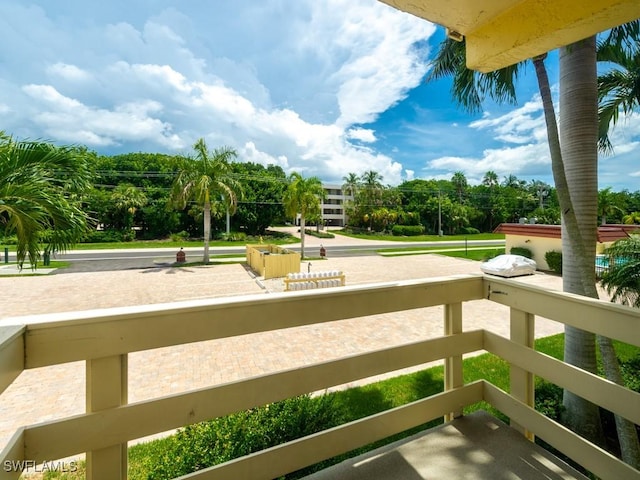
472,253
369,399
177,245
423,238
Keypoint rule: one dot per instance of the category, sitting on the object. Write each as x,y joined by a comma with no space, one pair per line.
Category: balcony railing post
453,365
107,388
521,381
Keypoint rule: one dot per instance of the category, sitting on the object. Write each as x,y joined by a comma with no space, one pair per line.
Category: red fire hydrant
323,251
181,257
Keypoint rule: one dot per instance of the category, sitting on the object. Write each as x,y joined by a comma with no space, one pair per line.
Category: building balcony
473,446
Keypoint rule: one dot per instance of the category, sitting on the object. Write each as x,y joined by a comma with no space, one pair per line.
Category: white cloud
71,121
68,72
362,134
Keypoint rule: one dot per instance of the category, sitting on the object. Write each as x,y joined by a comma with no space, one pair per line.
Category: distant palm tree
350,184
40,192
606,205
622,277
371,180
127,200
205,179
372,193
459,182
513,182
303,196
490,179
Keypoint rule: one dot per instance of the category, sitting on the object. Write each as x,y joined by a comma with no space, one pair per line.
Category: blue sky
320,87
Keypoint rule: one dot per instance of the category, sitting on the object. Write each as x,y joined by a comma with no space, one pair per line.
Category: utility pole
439,214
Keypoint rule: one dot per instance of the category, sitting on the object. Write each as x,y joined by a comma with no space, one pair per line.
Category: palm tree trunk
302,229
207,230
579,136
580,415
578,131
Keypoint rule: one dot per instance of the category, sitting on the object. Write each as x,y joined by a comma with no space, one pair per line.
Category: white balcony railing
104,339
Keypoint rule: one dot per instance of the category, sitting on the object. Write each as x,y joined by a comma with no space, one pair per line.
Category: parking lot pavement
46,393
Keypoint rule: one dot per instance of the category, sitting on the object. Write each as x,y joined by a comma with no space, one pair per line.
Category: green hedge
216,441
525,252
407,230
554,260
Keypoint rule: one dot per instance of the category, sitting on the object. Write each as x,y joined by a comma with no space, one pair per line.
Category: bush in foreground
216,441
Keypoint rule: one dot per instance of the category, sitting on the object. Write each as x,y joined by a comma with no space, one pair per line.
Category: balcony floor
477,446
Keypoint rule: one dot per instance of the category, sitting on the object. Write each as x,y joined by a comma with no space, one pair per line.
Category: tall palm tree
371,183
607,205
371,180
459,182
512,181
127,200
206,179
619,87
40,191
490,179
303,196
350,183
579,169
622,278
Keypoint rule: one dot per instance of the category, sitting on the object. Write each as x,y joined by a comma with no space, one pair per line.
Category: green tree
41,187
263,189
622,277
303,196
206,180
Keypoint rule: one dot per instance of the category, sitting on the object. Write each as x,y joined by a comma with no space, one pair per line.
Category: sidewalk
59,390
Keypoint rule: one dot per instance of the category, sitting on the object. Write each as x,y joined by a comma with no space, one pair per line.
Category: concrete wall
538,246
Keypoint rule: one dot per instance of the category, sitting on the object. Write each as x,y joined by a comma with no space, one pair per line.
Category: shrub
104,236
492,254
234,237
179,237
469,231
554,260
407,230
9,240
524,251
216,441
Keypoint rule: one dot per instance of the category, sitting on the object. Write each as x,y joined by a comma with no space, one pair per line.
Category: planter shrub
524,251
554,260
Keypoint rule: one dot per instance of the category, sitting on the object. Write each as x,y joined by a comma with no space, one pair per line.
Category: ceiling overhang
499,33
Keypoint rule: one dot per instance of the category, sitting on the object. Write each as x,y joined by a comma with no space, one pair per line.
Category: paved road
340,246
158,258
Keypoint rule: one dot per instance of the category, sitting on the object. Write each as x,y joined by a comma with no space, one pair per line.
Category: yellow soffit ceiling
499,33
